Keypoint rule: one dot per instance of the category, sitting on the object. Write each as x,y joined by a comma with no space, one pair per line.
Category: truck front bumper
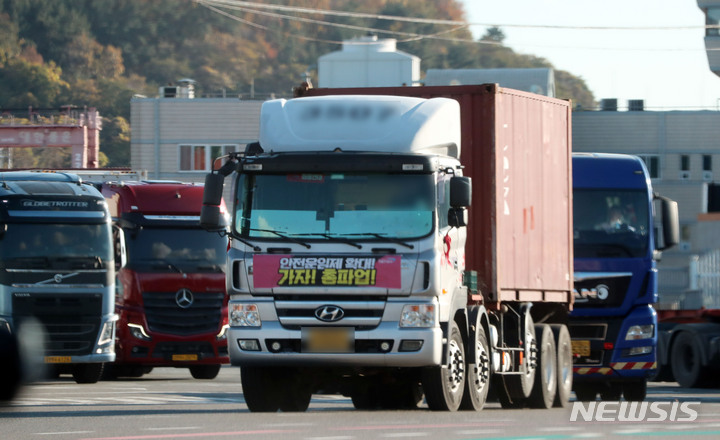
387,345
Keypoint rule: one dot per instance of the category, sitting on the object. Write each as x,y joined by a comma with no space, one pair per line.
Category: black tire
10,368
87,373
205,371
478,374
564,365
611,392
520,386
444,386
686,361
546,374
585,392
499,385
635,391
260,389
295,393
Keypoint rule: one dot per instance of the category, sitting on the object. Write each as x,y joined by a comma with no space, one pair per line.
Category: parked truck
614,325
171,294
57,271
689,336
365,261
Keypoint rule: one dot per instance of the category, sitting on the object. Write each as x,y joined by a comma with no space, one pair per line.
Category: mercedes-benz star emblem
184,298
329,313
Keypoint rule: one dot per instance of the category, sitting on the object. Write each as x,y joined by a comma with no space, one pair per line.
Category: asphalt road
169,404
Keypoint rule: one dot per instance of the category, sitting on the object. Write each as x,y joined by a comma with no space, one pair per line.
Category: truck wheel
519,386
686,361
635,391
87,373
611,392
444,385
294,392
564,365
478,374
546,374
260,389
585,392
205,371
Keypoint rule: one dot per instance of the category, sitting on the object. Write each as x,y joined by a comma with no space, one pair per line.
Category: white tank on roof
361,123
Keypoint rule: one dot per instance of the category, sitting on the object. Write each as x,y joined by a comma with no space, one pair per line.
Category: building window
201,157
652,162
684,162
712,18
707,162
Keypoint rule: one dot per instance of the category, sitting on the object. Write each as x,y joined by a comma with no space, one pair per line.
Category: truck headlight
222,335
418,315
639,332
139,332
107,334
244,315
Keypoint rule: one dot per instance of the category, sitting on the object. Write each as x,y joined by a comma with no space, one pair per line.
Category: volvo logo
184,298
58,278
329,313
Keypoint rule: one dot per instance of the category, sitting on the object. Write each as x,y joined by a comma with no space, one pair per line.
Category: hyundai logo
329,313
184,298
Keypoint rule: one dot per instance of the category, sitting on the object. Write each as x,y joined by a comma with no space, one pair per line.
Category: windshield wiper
254,247
390,239
283,236
333,238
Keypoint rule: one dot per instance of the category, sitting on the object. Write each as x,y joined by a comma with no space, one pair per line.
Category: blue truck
618,237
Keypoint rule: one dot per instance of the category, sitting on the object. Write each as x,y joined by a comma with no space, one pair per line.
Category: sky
667,68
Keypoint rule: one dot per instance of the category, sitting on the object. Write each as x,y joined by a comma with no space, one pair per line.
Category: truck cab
616,245
171,294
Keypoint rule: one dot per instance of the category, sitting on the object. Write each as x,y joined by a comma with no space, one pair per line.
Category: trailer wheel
519,386
585,392
205,371
546,374
87,373
635,391
564,365
478,374
686,361
444,385
260,389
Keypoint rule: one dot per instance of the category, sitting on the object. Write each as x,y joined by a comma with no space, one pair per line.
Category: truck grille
164,315
71,322
362,313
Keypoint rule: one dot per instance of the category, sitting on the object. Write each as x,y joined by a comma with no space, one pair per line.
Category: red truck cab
171,295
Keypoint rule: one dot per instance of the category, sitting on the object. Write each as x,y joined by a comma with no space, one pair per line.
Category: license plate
328,339
581,348
58,359
184,357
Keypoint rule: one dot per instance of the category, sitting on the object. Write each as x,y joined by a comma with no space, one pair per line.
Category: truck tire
564,365
686,360
635,391
260,389
519,386
585,392
295,392
611,392
444,385
205,371
87,373
546,374
478,374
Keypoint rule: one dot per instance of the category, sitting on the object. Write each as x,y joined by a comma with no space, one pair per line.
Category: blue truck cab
617,242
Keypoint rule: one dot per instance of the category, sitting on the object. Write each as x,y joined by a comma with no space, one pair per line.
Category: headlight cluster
418,315
244,315
637,332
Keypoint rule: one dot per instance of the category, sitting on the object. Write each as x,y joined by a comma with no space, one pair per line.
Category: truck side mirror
460,191
211,219
120,251
670,222
210,215
457,217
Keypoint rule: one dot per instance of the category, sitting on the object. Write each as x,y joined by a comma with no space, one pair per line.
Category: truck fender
460,316
477,317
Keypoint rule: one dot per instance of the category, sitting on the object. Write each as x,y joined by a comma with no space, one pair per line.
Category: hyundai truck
390,243
57,271
614,326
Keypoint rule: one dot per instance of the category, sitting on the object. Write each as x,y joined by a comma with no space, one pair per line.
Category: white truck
354,267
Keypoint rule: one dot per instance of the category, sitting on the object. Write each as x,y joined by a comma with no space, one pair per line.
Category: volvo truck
57,271
390,243
618,236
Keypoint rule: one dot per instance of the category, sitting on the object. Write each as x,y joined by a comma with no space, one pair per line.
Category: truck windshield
610,223
366,205
176,249
23,245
